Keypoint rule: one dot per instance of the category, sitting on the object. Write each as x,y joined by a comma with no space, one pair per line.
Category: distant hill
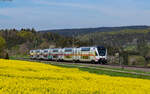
122,38
80,31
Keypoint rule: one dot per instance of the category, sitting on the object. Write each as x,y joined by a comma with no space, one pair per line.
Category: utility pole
73,36
89,39
36,43
93,39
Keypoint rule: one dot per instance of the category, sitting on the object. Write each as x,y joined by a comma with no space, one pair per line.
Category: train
94,55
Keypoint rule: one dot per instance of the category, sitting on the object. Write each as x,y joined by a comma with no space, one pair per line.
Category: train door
60,54
54,54
38,54
75,54
85,54
31,54
45,54
68,54
94,54
49,54
41,54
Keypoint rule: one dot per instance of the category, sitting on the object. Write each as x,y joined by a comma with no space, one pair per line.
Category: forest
21,41
129,41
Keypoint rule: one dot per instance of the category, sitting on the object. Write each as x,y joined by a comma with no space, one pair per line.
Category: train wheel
57,60
100,62
77,61
74,61
93,62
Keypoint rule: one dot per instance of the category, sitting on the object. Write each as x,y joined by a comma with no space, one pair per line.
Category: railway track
113,68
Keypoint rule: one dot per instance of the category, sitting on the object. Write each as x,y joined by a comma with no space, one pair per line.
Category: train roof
69,48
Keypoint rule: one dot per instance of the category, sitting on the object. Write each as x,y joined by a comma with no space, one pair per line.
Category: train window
45,51
85,49
38,51
55,50
68,50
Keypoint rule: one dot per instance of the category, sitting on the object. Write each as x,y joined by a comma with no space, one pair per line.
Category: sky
66,14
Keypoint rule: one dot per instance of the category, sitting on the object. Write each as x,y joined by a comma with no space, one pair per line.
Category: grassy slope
106,72
99,71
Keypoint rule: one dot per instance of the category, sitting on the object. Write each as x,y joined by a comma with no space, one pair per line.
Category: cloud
122,9
4,17
44,14
63,4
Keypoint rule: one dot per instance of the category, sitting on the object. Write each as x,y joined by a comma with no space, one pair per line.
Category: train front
102,55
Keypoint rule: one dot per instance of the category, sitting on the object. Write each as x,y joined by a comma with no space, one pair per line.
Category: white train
82,54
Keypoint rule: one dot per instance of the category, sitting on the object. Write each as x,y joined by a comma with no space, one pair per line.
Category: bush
136,60
2,45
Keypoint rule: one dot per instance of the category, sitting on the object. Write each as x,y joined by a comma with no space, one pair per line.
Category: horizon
79,28
72,14
97,27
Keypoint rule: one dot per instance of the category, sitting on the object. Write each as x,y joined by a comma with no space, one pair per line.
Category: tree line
127,42
21,41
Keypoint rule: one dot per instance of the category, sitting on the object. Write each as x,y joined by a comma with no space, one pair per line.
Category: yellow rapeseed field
22,77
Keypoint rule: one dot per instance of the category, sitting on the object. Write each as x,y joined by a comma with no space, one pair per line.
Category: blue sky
59,14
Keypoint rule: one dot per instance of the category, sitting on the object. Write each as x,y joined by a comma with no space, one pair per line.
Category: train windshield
101,51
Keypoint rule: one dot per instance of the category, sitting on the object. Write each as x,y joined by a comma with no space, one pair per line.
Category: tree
144,50
2,45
